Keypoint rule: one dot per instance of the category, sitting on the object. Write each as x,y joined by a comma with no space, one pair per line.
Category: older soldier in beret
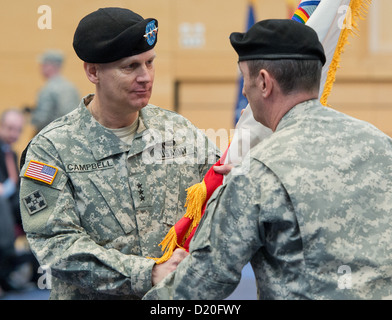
312,208
103,185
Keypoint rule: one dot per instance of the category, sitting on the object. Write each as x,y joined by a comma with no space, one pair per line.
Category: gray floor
246,290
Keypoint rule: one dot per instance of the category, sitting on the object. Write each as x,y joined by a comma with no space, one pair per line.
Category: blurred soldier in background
58,97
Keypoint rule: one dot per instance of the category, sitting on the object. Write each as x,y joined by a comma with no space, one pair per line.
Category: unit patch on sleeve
35,202
41,172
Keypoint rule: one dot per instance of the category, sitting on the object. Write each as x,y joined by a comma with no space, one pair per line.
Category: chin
143,103
139,106
139,102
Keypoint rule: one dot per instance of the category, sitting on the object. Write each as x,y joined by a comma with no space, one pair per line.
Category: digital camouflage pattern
311,212
110,204
57,98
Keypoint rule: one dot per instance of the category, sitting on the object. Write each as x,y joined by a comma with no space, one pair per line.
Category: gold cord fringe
358,9
196,197
169,244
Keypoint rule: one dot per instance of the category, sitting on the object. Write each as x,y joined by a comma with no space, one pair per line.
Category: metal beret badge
151,32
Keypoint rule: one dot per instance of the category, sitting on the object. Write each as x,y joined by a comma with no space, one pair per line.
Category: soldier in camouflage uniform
58,97
311,209
97,199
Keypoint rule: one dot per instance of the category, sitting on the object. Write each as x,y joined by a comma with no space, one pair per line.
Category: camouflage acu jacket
311,209
57,98
95,208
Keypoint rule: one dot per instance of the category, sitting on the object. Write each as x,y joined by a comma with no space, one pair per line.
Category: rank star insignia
35,202
141,191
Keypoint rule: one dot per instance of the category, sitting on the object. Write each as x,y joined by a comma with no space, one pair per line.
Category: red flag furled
180,235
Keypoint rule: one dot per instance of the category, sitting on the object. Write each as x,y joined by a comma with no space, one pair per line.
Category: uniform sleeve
226,239
252,207
57,238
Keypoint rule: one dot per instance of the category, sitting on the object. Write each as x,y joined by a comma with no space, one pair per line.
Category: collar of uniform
155,129
296,113
103,142
145,136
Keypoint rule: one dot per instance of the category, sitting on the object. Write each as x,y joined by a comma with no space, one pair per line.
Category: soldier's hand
223,169
160,271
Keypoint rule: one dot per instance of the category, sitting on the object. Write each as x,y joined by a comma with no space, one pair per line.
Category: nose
243,91
145,75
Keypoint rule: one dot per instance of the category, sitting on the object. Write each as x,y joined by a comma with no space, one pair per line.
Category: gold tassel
196,197
169,244
358,9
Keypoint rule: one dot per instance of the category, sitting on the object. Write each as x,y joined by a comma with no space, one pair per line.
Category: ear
91,70
266,83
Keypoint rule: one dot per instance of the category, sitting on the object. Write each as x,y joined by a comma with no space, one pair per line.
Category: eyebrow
137,60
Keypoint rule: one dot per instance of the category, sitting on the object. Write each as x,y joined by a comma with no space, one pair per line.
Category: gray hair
292,75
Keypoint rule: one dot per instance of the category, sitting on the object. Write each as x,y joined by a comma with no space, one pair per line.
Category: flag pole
241,101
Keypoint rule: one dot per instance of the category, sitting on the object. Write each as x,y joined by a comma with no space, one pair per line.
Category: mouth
141,92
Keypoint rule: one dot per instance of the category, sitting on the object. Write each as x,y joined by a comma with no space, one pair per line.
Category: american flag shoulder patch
41,172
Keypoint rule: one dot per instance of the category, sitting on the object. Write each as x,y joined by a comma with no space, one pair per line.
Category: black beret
276,39
110,34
